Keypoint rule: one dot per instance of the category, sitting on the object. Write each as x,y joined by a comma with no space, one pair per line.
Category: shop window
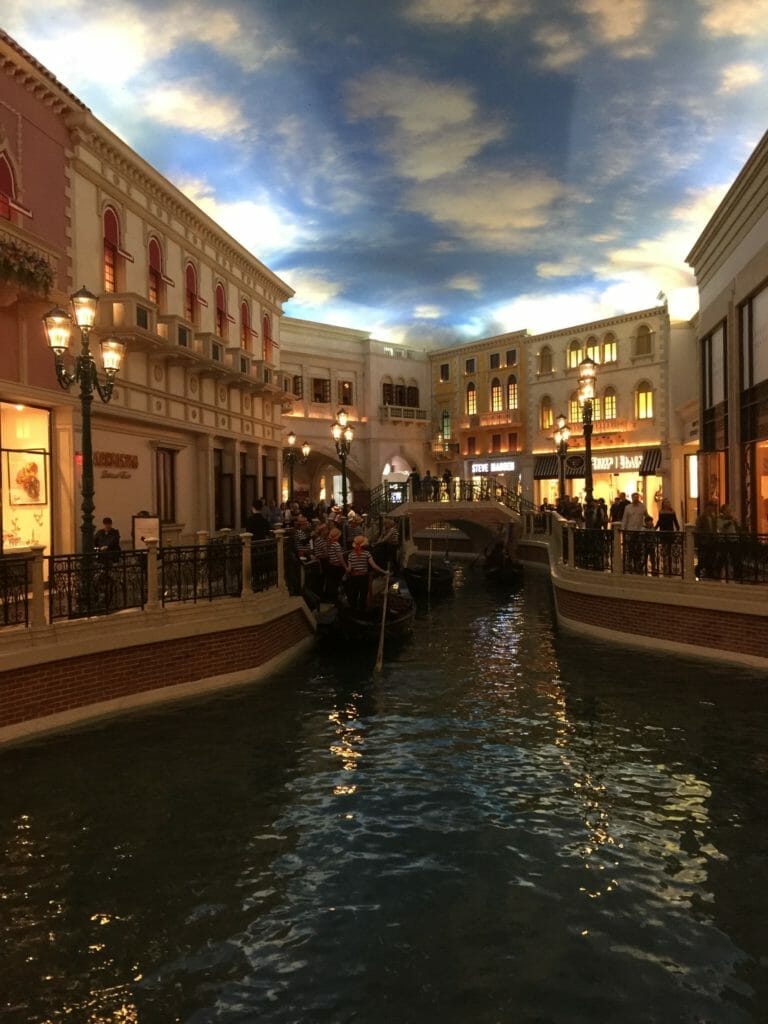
165,484
497,400
512,395
471,404
644,401
545,360
25,491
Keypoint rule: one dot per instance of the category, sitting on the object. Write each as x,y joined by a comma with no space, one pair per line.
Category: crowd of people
334,547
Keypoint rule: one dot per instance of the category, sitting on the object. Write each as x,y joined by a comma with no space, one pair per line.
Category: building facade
730,260
192,434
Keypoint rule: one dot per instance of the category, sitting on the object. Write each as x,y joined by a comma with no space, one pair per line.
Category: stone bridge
481,521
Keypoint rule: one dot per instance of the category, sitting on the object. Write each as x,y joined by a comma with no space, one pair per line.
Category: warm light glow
341,418
112,352
305,449
336,431
291,439
586,380
58,329
349,435
84,303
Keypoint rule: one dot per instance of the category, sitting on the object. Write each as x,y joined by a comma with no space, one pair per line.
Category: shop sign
507,466
115,465
616,463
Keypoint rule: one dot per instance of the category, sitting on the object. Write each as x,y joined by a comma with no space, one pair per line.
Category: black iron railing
653,553
593,549
263,565
83,585
200,572
734,558
14,591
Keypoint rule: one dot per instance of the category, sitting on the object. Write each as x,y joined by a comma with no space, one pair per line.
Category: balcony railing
402,412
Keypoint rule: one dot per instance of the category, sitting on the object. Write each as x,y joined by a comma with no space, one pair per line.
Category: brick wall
45,689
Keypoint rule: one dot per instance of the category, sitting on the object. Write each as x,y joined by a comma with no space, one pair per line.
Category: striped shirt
335,554
321,548
358,561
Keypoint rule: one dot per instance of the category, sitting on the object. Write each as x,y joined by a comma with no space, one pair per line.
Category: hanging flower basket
24,267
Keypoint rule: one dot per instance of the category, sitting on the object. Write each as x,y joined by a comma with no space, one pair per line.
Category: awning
651,462
546,467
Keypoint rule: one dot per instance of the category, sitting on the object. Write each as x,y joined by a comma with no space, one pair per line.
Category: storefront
627,470
26,483
504,470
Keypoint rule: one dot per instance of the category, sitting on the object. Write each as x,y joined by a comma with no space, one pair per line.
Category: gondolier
360,564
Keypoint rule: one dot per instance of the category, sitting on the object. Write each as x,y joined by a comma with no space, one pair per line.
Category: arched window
7,187
545,360
593,349
155,260
644,401
575,354
221,311
245,326
471,399
266,334
412,396
497,399
609,348
190,293
111,250
643,341
574,408
609,404
546,418
512,396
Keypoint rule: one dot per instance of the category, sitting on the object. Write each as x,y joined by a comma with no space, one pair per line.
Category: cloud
465,283
462,12
434,127
191,108
736,77
312,288
561,48
735,17
428,312
263,228
497,209
563,268
616,21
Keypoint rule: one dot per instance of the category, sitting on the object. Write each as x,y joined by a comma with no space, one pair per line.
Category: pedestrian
667,525
632,525
448,482
106,541
256,523
414,482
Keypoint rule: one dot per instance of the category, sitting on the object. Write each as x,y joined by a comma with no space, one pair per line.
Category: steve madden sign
505,466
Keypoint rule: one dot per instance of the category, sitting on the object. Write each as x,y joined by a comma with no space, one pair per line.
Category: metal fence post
618,558
153,585
689,553
37,609
280,538
247,539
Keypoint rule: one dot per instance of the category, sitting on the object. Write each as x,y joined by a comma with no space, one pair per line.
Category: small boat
501,568
366,627
429,579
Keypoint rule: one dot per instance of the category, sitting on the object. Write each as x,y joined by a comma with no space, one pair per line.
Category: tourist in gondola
360,564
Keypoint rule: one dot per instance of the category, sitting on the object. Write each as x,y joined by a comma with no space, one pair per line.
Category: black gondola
365,627
429,579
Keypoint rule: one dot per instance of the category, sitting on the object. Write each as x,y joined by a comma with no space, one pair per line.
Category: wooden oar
380,655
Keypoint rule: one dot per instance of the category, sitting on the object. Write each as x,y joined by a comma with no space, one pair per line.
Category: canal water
506,825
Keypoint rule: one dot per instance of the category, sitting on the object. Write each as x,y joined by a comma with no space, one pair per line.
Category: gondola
365,628
429,579
503,570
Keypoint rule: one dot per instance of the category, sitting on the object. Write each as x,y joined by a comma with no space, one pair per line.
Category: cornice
34,77
600,325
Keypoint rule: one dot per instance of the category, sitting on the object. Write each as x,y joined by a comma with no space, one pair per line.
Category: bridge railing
391,496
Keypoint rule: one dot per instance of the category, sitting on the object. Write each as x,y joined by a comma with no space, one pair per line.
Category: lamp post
343,435
560,438
58,329
291,456
586,397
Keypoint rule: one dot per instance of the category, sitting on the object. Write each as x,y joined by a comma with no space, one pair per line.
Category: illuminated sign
616,463
493,467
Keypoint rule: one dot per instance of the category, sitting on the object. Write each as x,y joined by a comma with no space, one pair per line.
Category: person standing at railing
633,524
667,525
414,482
448,482
106,541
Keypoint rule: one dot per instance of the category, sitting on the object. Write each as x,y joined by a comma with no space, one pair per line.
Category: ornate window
643,341
190,293
574,408
497,398
644,401
575,354
545,360
512,395
221,311
155,260
471,399
609,348
112,261
266,333
593,349
546,419
245,326
609,404
7,187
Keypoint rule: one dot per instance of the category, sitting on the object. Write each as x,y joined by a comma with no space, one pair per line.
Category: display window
25,475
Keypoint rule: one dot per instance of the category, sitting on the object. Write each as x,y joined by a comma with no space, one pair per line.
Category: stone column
153,584
37,605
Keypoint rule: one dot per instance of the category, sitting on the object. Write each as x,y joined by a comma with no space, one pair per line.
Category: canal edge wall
717,621
74,672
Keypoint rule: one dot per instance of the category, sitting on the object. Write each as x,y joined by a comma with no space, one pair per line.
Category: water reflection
506,824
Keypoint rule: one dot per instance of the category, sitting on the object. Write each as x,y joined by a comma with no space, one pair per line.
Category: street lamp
343,435
58,329
586,396
560,438
291,456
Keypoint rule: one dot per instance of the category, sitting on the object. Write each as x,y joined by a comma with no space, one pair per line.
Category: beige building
730,260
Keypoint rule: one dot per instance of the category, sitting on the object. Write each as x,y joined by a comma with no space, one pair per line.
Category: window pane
760,337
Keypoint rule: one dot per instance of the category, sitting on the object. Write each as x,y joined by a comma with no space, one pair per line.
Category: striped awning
651,462
546,467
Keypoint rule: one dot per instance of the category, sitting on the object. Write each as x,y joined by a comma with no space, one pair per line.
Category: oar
380,655
429,571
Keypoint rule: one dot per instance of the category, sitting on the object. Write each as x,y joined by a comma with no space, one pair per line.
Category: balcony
27,266
130,318
399,413
444,451
502,418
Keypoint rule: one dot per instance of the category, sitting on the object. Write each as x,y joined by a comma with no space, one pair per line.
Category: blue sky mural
434,170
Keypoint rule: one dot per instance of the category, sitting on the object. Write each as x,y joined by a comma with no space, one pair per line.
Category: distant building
730,260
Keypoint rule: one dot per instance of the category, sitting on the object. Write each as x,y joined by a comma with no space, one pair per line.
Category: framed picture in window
27,481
